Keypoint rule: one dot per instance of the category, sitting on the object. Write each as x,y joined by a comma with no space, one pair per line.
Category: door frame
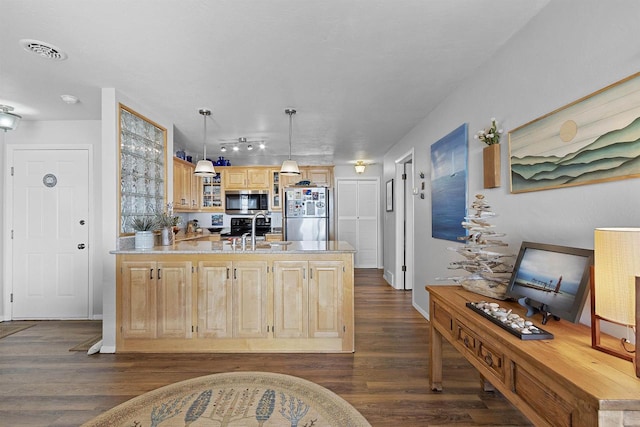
404,212
7,284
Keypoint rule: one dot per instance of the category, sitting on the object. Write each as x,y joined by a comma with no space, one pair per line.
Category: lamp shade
204,168
360,166
616,265
289,167
9,121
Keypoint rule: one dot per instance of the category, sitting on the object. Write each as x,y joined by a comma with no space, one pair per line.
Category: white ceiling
361,74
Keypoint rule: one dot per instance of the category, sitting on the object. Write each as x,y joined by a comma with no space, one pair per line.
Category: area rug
235,399
7,329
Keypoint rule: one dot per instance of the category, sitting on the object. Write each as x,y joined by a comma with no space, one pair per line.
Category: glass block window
142,167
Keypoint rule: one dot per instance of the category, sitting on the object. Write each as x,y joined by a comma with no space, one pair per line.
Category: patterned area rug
235,399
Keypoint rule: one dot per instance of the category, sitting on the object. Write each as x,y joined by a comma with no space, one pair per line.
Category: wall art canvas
449,184
594,139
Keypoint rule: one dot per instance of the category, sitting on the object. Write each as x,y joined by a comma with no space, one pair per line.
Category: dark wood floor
42,383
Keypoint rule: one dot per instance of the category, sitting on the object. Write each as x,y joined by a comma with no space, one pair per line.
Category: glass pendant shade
204,168
360,167
290,167
8,121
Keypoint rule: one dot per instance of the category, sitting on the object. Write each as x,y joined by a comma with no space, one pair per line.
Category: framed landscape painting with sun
594,139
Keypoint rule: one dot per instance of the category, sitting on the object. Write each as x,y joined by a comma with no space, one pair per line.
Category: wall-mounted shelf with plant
491,154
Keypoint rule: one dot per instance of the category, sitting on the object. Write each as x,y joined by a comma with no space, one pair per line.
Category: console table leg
435,360
486,385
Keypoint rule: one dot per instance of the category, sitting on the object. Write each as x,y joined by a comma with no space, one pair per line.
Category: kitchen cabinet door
274,191
241,178
258,178
291,299
174,288
185,186
215,299
156,299
325,299
138,300
250,299
321,176
236,178
212,193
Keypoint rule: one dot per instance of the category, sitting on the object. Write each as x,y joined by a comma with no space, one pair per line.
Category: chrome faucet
263,214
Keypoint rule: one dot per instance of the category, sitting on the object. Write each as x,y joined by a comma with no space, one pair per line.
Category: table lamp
613,288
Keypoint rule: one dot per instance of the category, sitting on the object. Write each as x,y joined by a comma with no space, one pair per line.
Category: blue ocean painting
449,185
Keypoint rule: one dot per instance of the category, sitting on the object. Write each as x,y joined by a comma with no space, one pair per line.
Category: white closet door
357,213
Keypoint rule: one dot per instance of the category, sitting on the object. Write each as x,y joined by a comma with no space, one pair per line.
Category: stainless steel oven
246,201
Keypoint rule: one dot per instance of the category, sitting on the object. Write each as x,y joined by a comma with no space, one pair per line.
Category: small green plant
166,220
144,223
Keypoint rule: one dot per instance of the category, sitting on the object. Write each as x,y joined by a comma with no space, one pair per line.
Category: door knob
81,246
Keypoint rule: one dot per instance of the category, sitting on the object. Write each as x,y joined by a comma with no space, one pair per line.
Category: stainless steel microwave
246,201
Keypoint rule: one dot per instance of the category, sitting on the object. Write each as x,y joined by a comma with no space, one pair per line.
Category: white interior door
50,262
357,214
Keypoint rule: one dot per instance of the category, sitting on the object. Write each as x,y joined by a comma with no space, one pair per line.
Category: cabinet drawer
442,317
542,399
466,338
484,352
492,359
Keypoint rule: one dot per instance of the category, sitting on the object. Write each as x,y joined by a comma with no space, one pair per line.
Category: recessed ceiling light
43,49
70,99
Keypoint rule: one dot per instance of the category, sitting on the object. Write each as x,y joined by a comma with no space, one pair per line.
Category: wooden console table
558,382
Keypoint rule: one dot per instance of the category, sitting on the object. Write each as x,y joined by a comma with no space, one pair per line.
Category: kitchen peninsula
210,296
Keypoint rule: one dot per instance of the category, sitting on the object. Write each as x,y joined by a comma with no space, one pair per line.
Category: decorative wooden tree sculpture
490,272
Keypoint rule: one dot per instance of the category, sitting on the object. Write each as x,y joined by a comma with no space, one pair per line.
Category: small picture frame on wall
389,195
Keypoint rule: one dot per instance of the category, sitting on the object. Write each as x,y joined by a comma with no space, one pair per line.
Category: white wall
110,193
68,132
568,51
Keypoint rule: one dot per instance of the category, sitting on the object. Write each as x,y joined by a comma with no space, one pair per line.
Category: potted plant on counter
167,223
144,226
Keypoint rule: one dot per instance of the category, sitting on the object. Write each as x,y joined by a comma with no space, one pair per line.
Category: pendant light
204,167
289,167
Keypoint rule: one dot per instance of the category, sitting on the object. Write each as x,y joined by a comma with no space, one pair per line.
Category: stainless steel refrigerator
306,213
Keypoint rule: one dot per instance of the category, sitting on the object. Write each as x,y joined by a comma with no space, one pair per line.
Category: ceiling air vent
43,49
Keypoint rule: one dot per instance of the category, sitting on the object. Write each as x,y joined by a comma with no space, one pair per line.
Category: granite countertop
224,247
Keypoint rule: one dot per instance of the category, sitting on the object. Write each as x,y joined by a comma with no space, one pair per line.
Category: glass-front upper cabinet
142,167
275,191
212,193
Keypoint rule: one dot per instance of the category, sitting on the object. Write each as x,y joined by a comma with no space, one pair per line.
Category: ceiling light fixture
249,147
360,166
290,167
204,167
69,99
8,120
223,149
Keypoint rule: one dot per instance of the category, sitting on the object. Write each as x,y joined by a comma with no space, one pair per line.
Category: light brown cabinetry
156,299
275,201
308,299
558,382
321,176
239,302
232,299
241,178
211,191
186,186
